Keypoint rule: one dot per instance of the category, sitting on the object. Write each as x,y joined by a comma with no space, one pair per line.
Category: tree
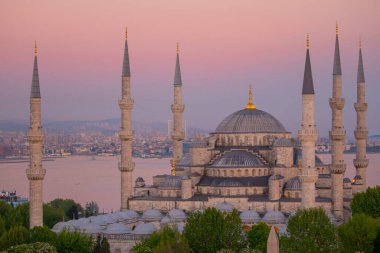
213,230
42,234
2,227
52,215
165,240
104,246
310,230
15,236
359,234
73,242
69,206
367,202
258,236
96,248
38,247
91,209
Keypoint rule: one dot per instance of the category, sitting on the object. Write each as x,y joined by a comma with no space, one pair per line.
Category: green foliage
104,246
73,242
71,209
91,209
38,247
245,250
310,230
15,236
13,216
42,234
213,230
359,234
367,202
258,236
166,240
52,215
3,229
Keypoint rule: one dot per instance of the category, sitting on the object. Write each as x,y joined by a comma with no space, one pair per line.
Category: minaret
308,136
177,108
337,136
126,165
35,172
361,133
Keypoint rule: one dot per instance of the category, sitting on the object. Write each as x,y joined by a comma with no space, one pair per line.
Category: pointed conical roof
177,74
126,70
35,90
361,78
337,68
308,86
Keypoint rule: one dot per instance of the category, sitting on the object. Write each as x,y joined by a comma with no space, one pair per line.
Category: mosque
250,162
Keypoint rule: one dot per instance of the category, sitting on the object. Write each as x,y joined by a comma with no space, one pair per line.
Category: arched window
232,173
246,173
239,173
253,172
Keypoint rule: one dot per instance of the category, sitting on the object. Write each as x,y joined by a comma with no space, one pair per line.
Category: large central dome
250,121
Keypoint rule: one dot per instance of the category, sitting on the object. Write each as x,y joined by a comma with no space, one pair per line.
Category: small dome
225,207
139,179
346,180
171,182
144,229
59,227
165,220
128,214
116,217
139,182
274,217
250,121
282,142
91,228
152,214
293,184
177,214
276,177
249,216
117,228
100,220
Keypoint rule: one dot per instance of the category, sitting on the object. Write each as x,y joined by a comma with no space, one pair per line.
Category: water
83,179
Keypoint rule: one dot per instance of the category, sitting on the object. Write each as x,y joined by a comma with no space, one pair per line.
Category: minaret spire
361,134
126,165
308,136
337,135
177,107
250,104
35,172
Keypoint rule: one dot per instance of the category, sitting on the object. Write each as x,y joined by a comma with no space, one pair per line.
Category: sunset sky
224,46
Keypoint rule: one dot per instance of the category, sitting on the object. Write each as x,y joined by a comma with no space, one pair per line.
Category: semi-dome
128,214
250,216
144,229
177,214
152,214
225,207
117,228
293,184
171,182
250,121
239,159
274,217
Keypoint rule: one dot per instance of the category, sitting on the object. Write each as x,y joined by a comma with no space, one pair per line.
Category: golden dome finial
250,104
173,167
126,33
35,48
177,47
336,28
307,40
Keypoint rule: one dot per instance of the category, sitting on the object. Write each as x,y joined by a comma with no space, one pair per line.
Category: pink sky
225,45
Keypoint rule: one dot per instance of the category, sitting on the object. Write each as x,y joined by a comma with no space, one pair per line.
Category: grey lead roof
35,91
261,181
337,68
361,78
308,85
250,121
238,159
177,74
126,70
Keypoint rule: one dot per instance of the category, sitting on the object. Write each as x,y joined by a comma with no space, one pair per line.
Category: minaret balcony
308,135
337,168
178,108
126,135
361,163
126,103
337,103
35,135
361,107
178,135
361,134
35,174
126,166
337,134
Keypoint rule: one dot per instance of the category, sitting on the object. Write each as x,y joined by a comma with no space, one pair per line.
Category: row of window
238,173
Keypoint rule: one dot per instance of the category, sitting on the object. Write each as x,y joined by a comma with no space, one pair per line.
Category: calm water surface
83,179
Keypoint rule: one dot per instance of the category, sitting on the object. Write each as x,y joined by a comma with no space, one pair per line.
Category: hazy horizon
224,46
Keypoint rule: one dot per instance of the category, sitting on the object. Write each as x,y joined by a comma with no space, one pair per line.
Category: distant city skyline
224,46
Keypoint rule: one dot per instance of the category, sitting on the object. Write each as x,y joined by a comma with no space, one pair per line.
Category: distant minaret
308,136
35,172
361,133
177,108
337,136
126,165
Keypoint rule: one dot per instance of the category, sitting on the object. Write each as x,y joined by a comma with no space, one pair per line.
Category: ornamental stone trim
337,103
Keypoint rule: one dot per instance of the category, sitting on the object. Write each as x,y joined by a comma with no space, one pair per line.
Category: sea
97,178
